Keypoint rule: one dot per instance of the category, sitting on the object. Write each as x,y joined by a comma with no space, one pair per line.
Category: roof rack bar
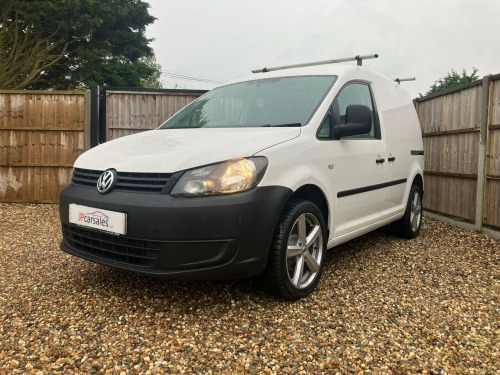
357,58
399,80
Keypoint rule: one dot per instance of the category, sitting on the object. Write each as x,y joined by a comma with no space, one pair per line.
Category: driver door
359,167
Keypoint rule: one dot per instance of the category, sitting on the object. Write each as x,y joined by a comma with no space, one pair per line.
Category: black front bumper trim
217,237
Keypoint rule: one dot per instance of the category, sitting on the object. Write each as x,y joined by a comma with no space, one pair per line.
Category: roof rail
357,58
399,80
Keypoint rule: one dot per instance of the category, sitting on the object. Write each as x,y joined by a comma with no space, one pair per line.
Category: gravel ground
384,305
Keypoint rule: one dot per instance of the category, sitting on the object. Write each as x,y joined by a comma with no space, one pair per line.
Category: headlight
231,176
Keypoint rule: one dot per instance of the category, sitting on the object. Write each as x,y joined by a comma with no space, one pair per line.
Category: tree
453,79
96,42
24,51
153,81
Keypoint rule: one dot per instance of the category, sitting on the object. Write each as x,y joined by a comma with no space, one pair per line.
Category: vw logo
106,181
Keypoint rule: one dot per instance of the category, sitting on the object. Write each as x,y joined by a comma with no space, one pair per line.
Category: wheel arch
315,195
418,180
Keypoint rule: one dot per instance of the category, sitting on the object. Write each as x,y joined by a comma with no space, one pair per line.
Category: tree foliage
453,79
154,80
76,44
25,51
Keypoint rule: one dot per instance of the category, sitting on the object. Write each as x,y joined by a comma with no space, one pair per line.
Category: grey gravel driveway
384,305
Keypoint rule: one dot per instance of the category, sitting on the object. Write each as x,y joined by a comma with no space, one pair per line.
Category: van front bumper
218,237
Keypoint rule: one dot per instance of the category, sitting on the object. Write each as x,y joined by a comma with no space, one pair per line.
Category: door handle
392,158
380,161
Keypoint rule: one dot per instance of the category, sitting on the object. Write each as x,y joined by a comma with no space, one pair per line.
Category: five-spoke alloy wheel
409,225
297,253
304,251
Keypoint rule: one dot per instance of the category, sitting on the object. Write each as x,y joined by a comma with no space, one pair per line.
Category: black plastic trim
126,181
219,237
365,189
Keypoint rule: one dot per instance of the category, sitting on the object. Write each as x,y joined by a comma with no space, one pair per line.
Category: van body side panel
357,184
339,169
362,195
402,133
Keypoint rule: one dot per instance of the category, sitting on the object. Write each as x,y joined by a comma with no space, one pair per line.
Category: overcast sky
225,39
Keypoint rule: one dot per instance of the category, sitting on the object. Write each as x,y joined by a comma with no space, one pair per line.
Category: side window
325,130
354,93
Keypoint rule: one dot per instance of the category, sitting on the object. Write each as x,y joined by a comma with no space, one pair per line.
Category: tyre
409,225
297,252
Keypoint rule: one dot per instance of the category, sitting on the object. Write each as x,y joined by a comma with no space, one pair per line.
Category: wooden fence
43,132
461,133
41,135
129,111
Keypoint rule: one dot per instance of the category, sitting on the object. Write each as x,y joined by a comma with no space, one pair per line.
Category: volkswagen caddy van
258,177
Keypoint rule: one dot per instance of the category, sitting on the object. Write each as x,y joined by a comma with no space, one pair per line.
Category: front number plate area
97,218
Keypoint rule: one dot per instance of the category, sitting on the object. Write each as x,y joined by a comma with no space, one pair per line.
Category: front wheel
409,225
297,252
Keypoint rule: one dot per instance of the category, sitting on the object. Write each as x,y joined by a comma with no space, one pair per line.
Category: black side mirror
358,121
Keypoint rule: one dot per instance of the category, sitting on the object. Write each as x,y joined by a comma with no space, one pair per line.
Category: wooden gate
129,111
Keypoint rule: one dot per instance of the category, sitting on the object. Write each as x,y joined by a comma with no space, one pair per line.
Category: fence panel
133,111
450,129
42,134
491,211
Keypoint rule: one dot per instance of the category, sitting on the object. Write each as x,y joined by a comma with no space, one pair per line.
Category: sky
222,40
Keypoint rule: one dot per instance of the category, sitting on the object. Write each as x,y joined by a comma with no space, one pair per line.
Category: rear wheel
409,225
298,250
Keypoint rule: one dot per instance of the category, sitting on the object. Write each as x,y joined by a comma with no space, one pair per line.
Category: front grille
127,251
126,181
86,177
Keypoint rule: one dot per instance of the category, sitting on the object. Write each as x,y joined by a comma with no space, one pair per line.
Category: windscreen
283,101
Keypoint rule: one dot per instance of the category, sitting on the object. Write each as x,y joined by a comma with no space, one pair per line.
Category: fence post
481,165
102,117
88,120
94,116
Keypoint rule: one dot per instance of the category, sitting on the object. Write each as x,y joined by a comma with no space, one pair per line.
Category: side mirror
358,121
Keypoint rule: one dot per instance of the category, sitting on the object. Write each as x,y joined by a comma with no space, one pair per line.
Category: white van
259,176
